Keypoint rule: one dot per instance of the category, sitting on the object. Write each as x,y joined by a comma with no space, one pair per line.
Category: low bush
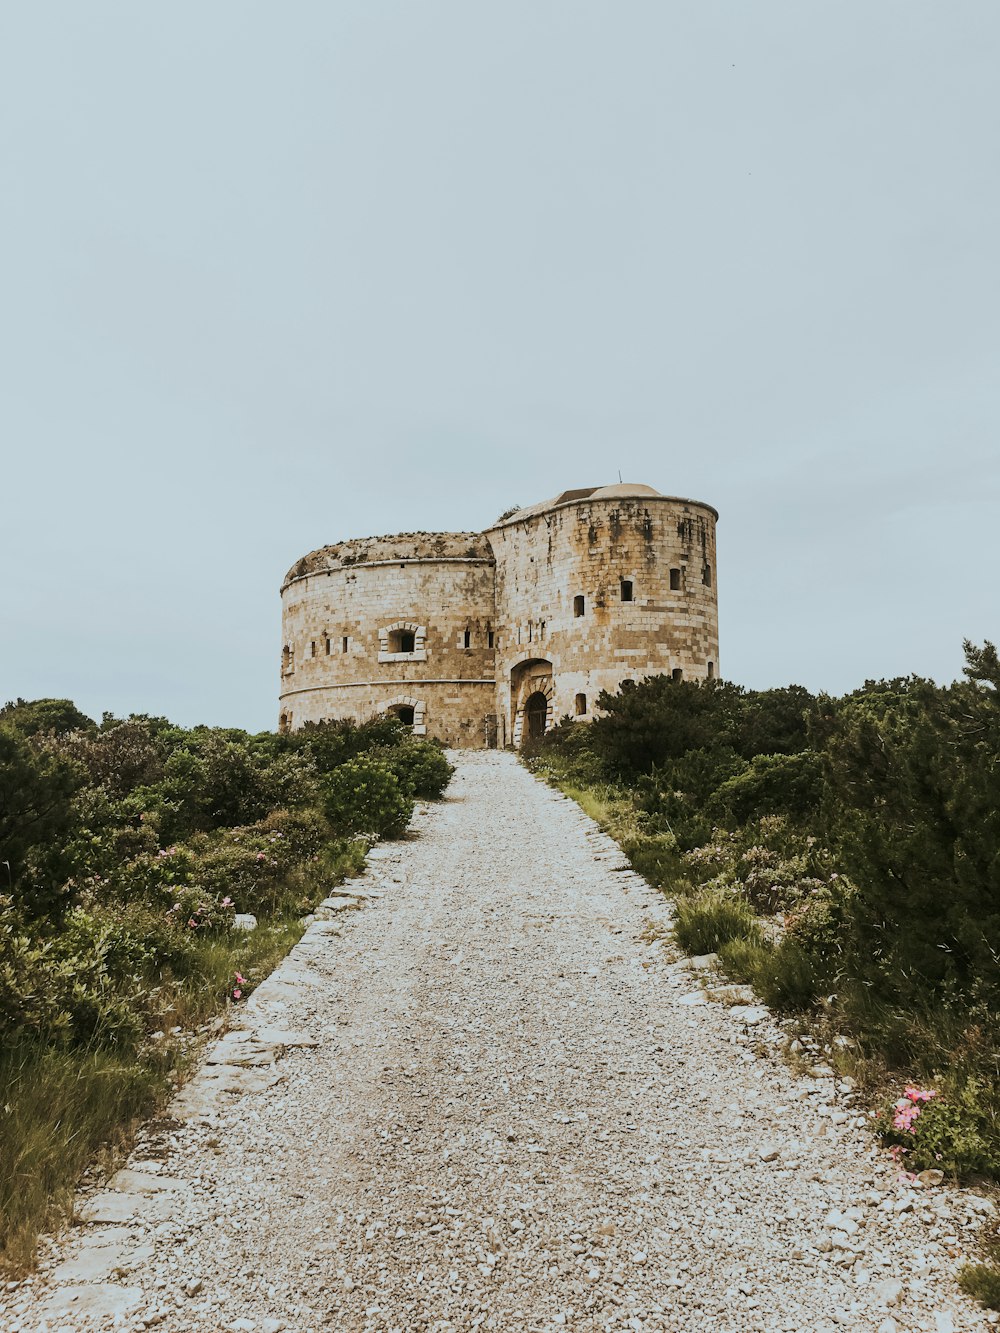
982,1282
786,977
365,796
953,1126
420,767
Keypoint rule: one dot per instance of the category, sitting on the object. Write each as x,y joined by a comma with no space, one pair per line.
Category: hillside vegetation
127,849
842,855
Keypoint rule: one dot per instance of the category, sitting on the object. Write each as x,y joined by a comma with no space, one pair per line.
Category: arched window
677,673
711,670
581,704
287,660
675,580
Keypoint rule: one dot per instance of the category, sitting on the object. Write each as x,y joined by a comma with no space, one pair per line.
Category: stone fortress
488,638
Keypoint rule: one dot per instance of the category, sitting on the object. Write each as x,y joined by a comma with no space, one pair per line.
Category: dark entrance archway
536,710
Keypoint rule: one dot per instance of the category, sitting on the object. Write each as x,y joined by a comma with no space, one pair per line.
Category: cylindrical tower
402,624
595,587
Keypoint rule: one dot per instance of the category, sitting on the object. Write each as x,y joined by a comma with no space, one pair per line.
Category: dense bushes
843,851
126,850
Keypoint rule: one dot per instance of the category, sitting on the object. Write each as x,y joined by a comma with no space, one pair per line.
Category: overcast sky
272,275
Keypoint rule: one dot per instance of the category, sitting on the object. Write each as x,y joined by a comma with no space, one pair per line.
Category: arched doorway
536,712
405,714
531,699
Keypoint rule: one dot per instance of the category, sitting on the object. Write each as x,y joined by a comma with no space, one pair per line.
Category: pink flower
227,902
261,856
237,994
918,1094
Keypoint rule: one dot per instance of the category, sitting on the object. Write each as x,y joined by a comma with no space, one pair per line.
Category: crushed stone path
517,1114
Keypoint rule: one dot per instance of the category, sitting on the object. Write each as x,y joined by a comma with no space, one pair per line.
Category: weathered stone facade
483,638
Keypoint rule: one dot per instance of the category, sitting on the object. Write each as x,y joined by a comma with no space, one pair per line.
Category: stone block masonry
480,639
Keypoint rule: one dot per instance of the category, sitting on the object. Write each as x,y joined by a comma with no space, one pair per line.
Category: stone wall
349,613
602,548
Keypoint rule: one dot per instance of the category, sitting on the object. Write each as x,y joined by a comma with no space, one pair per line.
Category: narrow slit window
578,605
467,639
329,645
626,590
344,644
706,576
581,704
677,673
675,580
490,639
711,670
312,648
531,630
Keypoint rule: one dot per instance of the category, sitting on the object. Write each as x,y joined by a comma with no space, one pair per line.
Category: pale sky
273,275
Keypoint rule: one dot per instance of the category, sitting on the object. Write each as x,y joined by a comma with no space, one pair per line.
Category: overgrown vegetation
127,849
840,854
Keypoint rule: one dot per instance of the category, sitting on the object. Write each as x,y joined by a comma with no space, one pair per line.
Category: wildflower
261,856
237,993
918,1094
226,902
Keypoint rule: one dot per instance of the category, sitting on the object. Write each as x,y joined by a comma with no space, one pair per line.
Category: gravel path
515,1118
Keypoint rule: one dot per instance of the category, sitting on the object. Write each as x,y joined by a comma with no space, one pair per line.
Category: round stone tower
401,624
595,587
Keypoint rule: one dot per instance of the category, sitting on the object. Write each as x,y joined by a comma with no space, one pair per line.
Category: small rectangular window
675,580
626,590
581,704
467,639
578,605
677,674
711,670
312,648
329,645
344,644
489,639
706,576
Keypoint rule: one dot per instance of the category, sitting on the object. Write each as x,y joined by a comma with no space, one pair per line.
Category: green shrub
954,1125
709,919
782,784
365,796
83,985
982,1282
743,958
420,767
786,977
655,857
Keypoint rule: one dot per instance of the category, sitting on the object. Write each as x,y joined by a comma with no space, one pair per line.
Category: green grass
709,919
56,1109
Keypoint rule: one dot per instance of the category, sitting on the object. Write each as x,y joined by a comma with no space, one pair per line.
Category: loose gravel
520,1113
